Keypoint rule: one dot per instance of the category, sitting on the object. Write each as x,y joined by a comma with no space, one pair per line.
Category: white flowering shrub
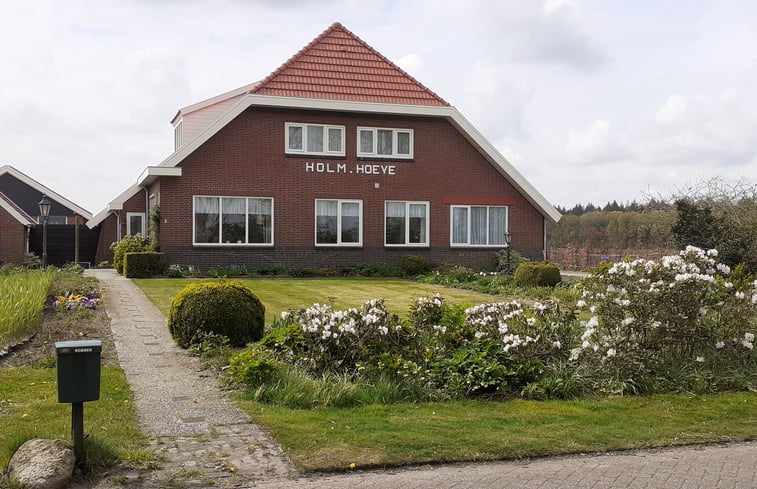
649,318
337,340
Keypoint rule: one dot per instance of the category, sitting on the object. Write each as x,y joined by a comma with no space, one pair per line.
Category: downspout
118,225
147,213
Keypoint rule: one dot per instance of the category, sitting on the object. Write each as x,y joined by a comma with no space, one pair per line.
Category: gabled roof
212,101
337,71
338,65
15,211
37,191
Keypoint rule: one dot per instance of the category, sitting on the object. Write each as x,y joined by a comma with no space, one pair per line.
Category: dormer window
178,135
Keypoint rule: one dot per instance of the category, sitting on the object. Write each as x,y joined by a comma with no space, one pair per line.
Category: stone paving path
201,434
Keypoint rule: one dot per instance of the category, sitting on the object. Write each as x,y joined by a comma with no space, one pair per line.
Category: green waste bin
78,365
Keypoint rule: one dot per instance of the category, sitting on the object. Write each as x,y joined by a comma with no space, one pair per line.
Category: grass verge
29,409
376,436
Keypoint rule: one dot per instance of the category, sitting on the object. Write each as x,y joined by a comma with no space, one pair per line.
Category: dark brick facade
12,239
247,158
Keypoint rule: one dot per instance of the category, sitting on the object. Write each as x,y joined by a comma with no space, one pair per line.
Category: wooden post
77,430
76,238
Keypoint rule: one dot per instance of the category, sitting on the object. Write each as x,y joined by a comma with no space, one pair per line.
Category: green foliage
225,308
154,228
413,265
515,260
537,274
144,264
654,320
128,244
31,261
22,301
615,230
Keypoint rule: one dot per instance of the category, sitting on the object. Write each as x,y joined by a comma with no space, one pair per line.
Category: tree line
710,214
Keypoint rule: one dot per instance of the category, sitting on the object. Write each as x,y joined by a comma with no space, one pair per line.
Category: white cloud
597,144
674,110
412,64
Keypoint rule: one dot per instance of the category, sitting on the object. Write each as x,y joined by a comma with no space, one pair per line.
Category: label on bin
82,350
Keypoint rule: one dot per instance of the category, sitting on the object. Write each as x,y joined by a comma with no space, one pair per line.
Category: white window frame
304,151
220,221
178,135
132,232
339,223
374,151
468,243
408,203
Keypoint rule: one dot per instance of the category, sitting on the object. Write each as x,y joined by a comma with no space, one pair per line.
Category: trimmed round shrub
536,274
225,308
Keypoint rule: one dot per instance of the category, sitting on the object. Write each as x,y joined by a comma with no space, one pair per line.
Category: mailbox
78,365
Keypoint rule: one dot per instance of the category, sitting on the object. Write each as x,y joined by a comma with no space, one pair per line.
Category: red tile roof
338,65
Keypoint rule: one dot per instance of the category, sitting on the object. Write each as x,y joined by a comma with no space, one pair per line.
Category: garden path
202,435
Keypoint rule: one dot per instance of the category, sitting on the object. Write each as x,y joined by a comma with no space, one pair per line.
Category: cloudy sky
591,100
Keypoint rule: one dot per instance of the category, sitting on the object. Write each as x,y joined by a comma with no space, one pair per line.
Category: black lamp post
508,239
44,212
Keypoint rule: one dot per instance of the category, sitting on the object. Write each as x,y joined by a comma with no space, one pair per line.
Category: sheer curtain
206,220
497,225
478,226
417,223
460,225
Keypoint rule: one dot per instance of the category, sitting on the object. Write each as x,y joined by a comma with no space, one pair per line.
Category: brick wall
12,239
246,158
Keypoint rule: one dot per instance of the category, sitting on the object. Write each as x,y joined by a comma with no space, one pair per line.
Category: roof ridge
319,41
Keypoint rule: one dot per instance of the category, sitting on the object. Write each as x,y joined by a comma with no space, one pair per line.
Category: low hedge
536,274
144,264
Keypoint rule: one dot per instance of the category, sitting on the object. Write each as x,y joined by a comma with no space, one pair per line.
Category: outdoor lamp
44,212
508,239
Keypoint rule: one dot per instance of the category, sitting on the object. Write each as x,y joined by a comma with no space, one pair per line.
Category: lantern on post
44,212
508,240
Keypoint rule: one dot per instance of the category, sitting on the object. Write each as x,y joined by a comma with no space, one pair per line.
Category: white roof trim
505,168
212,101
116,204
450,113
151,173
50,193
15,214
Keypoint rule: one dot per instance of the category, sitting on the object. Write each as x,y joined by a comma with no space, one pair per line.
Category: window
478,225
178,135
135,223
233,220
314,139
338,222
406,223
384,143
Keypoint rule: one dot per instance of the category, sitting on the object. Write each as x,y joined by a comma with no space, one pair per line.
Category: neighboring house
21,225
337,158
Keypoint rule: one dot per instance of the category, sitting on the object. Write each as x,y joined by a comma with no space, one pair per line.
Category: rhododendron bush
685,322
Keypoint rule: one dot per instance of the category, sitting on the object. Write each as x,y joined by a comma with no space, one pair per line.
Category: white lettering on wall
360,168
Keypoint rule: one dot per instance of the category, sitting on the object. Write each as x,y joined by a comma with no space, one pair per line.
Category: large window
233,220
314,139
406,223
478,225
135,223
384,143
338,222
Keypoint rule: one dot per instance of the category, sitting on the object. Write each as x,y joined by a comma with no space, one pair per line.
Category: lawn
281,294
377,436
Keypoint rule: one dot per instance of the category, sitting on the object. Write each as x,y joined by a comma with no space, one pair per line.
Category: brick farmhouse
337,158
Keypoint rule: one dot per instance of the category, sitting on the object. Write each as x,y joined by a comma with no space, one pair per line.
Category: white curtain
315,139
326,208
395,209
478,226
259,206
460,225
384,142
234,206
366,141
295,137
497,225
335,140
206,205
